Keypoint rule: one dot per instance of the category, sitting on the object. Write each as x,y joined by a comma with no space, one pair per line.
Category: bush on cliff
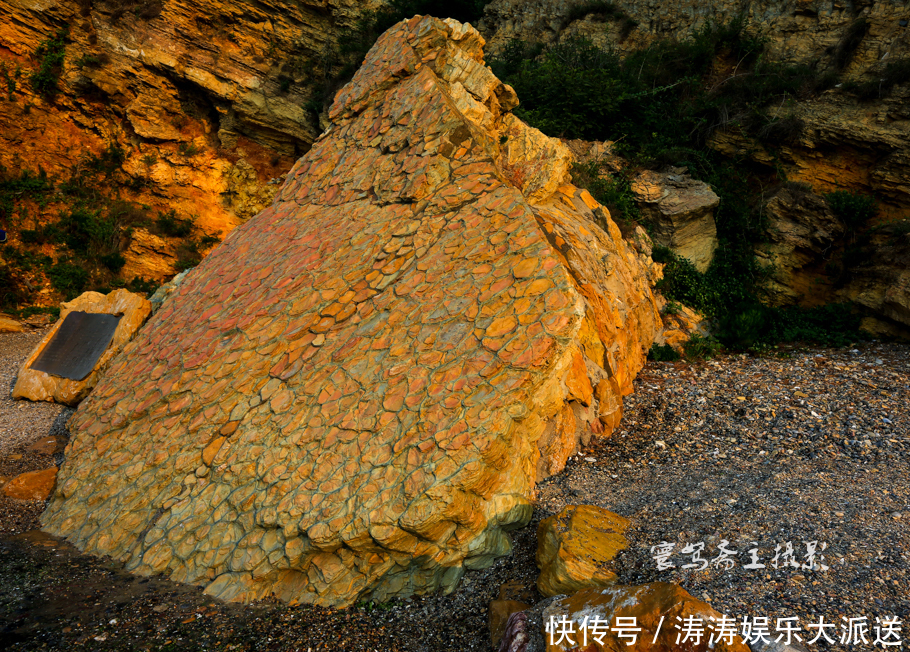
50,54
660,105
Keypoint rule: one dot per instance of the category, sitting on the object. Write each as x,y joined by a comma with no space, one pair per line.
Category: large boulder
36,385
353,396
681,212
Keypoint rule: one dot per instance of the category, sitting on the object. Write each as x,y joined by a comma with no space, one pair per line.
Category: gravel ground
814,446
22,423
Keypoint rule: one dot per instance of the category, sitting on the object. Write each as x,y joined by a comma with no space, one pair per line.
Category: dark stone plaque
76,346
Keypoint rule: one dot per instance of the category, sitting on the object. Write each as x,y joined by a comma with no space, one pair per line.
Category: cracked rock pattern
354,395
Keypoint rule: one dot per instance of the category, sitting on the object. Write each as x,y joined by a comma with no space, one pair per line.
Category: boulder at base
37,385
575,546
682,212
32,485
648,604
353,396
9,325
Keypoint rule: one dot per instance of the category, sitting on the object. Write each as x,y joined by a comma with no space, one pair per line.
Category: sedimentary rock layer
354,395
843,143
204,100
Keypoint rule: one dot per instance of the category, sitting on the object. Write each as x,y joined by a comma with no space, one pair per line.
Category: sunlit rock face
354,395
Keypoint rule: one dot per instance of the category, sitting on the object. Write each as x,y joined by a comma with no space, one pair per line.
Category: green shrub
24,185
175,227
701,348
829,325
894,73
28,311
852,209
188,149
69,278
9,79
50,54
12,291
663,353
113,261
88,60
188,255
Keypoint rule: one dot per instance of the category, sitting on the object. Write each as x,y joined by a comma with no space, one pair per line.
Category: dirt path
811,447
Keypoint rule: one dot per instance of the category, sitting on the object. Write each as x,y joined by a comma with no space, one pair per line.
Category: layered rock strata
205,101
880,282
841,144
802,236
354,394
681,210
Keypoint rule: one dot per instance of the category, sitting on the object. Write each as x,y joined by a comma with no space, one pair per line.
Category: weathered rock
8,325
205,100
574,547
351,396
46,446
802,31
681,210
801,231
33,485
843,144
37,385
498,617
681,324
161,294
648,604
880,281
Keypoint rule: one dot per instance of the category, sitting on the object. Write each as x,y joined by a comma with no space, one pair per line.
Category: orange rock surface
574,547
353,396
193,94
32,485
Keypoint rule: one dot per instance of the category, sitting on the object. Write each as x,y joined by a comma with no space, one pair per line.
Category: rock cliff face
803,235
798,30
880,282
354,395
206,100
842,143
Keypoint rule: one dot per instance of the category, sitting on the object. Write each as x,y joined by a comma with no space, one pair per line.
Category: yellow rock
33,485
39,386
8,325
573,547
399,347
